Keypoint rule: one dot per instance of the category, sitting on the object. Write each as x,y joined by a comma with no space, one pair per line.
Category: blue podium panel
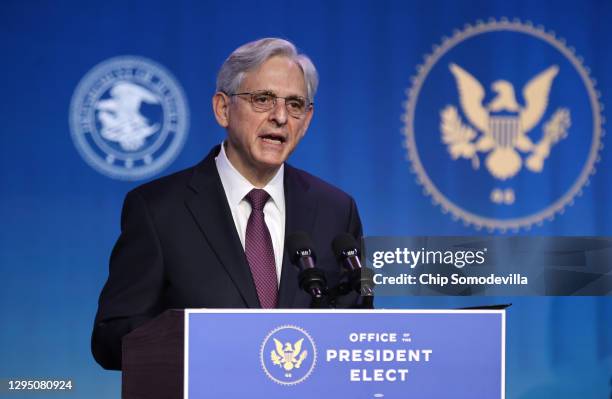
425,354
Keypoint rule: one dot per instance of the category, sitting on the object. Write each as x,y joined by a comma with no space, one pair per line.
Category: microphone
310,279
361,278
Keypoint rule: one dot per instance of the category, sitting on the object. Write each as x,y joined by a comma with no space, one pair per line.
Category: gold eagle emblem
288,356
500,128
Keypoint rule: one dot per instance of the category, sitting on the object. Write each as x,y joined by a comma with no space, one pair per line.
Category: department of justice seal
503,125
288,355
129,118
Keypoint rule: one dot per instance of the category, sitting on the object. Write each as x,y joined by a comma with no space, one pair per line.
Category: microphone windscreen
344,242
298,241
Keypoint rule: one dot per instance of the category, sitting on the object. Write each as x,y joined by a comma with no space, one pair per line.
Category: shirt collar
237,186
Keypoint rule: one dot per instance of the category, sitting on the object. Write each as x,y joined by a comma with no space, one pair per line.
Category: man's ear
220,104
308,118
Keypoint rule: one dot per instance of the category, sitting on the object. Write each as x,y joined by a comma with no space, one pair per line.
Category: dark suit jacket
179,249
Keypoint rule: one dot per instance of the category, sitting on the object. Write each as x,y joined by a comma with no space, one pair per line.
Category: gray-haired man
213,235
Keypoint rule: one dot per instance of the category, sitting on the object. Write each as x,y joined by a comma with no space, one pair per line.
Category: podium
255,353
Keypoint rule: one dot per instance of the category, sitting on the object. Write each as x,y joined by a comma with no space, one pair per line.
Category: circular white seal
288,355
129,118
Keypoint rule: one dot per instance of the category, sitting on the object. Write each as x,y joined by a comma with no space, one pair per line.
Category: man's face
259,142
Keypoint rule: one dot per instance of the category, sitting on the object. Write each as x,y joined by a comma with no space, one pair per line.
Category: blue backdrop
60,217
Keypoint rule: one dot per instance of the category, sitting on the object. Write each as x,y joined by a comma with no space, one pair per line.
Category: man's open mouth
273,138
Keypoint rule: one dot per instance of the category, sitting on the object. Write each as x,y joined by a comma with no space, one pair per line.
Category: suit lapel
211,211
300,211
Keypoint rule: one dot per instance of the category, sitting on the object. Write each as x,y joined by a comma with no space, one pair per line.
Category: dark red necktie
259,250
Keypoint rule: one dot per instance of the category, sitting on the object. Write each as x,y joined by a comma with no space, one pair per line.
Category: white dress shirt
236,187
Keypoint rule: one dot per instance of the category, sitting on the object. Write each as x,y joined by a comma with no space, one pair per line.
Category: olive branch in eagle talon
288,356
500,127
457,136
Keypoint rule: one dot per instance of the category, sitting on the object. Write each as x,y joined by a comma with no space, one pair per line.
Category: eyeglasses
264,100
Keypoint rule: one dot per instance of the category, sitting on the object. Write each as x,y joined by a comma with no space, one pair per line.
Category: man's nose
278,114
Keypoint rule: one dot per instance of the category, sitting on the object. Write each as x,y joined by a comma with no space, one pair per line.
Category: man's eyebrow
272,92
264,91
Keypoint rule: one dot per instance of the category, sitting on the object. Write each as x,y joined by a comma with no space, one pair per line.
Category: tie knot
258,198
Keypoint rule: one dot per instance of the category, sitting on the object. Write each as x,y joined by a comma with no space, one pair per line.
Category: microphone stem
366,291
316,292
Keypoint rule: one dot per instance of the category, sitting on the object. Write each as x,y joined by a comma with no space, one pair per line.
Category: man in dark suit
213,235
